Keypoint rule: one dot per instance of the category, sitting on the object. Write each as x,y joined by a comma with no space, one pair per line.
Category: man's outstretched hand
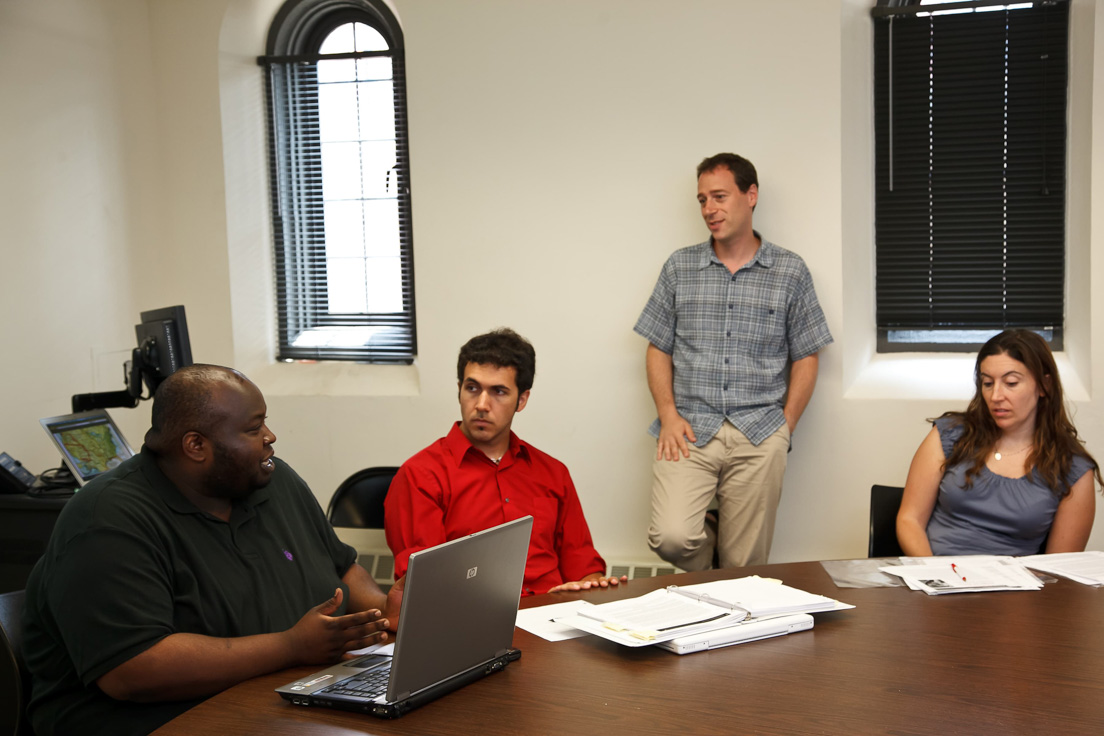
321,637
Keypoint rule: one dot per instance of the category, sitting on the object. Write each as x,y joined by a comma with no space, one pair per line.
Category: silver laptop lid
89,442
459,606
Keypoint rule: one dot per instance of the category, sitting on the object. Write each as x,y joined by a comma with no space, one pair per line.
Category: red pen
956,572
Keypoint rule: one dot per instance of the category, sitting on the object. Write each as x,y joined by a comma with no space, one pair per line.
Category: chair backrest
15,680
885,501
358,502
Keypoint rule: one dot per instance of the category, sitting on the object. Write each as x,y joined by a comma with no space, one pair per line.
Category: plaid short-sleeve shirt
732,335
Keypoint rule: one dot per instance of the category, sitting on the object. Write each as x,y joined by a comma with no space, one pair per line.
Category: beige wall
78,185
553,147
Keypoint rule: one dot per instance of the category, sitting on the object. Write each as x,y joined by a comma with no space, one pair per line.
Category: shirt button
728,334
726,387
730,306
507,500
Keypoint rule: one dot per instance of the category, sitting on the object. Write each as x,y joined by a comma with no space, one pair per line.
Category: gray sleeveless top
996,515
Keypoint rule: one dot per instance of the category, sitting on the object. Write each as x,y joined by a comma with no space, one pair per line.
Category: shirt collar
175,500
459,445
764,255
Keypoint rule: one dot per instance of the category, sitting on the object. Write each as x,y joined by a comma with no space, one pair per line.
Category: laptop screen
89,442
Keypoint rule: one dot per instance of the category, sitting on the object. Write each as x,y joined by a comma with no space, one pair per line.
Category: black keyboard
369,685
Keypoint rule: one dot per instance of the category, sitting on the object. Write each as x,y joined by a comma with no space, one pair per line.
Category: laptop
456,626
750,630
89,442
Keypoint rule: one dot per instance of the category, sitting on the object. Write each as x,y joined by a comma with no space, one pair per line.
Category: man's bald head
185,402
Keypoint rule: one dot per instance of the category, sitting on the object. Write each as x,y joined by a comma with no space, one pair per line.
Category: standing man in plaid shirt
726,319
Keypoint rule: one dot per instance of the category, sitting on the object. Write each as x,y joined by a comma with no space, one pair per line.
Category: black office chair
885,501
358,502
15,680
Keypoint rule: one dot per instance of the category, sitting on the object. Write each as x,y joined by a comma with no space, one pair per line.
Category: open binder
680,611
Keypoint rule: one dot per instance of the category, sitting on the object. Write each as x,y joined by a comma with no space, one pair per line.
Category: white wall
77,202
553,147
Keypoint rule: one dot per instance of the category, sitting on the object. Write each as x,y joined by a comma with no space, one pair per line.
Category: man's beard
229,479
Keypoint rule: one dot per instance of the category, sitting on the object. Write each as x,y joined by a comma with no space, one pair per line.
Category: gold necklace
998,456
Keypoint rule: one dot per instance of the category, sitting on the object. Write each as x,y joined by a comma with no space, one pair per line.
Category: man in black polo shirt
201,562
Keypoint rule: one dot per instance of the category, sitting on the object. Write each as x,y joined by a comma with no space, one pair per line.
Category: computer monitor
163,345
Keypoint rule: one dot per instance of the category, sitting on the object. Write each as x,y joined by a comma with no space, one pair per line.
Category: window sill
934,376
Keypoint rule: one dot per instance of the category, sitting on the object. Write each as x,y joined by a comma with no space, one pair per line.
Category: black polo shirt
131,561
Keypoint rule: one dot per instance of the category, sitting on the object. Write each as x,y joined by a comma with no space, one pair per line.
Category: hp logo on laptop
472,571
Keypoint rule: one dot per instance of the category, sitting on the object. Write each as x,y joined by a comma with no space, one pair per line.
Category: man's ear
522,401
195,447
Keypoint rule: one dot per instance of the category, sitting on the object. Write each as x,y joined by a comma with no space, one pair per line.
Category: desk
901,662
25,526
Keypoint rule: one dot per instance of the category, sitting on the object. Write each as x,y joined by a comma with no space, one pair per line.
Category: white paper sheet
539,621
967,574
676,611
387,649
766,596
1083,567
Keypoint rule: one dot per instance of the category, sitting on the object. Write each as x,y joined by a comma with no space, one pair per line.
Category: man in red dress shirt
481,475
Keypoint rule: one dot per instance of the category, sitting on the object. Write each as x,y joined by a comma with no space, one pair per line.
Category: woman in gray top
1009,475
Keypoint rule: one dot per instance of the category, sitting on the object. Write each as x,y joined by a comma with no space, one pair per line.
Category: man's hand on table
595,580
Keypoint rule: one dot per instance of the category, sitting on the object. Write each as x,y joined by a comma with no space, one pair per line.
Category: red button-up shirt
451,489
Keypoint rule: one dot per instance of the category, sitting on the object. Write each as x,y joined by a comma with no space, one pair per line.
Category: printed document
541,621
677,611
765,596
966,574
1083,567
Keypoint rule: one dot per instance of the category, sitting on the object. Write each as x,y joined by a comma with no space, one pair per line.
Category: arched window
340,179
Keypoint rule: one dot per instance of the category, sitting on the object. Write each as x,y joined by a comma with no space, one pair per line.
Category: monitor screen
163,345
90,443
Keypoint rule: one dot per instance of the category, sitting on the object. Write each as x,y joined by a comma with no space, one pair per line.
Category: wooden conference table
901,662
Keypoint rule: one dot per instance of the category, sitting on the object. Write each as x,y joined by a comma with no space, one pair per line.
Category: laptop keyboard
369,685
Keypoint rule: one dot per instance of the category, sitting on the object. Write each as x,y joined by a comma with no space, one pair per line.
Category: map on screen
94,449
90,443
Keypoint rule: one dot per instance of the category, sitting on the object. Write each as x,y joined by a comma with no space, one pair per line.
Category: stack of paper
764,596
968,574
678,611
1082,567
657,616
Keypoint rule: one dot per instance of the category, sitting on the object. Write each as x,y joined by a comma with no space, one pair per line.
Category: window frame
294,154
1021,276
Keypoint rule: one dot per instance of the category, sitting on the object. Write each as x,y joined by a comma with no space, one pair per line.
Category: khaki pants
747,482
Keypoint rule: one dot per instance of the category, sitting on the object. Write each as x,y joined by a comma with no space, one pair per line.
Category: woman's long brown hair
1055,440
